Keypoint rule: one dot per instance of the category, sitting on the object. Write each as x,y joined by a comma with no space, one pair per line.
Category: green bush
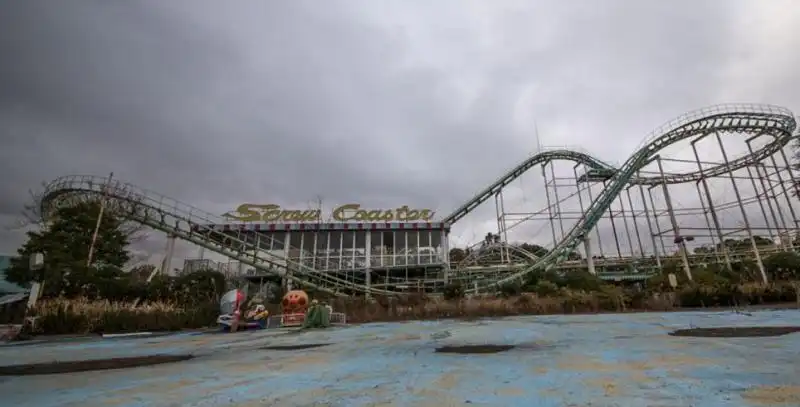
113,285
726,295
535,278
783,266
545,288
510,289
453,291
582,281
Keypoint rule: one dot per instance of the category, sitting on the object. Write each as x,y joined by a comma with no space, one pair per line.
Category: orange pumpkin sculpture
295,305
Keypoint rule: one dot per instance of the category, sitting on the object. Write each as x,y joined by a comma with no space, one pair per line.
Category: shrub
550,276
783,265
724,295
510,289
115,286
545,288
453,291
581,281
611,298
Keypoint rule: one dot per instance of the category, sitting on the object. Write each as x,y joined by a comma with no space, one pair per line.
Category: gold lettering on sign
353,212
244,213
344,213
272,213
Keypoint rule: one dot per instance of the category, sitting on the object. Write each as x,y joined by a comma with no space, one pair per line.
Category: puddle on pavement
295,347
466,349
89,365
474,349
736,332
624,337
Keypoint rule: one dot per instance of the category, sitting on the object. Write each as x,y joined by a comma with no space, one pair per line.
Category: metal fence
277,321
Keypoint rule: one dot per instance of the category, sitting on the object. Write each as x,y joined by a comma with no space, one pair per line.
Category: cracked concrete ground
598,360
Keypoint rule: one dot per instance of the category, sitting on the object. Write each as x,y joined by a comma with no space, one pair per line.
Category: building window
277,240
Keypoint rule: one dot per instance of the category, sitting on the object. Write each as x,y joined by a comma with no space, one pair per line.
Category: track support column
786,194
587,247
504,254
679,240
287,282
591,199
635,223
551,216
167,263
659,233
711,210
650,225
554,182
772,195
445,250
774,236
756,253
368,266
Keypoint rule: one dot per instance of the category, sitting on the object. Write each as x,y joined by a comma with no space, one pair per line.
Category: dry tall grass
360,311
81,316
565,301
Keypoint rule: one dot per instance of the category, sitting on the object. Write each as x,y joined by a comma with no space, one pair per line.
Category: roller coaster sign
344,213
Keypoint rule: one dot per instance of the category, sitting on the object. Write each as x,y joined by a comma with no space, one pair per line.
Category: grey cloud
384,103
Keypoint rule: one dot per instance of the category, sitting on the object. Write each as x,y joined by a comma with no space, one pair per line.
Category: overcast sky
379,102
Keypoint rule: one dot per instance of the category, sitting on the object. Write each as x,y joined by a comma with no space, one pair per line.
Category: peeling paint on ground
598,360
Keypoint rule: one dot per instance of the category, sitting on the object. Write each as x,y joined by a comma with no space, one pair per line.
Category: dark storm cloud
385,103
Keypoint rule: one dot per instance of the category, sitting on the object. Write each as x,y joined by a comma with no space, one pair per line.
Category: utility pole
536,134
99,219
320,207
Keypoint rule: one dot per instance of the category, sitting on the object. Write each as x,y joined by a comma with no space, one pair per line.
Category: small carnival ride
297,311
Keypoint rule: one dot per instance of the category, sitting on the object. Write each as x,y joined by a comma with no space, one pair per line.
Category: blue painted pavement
597,360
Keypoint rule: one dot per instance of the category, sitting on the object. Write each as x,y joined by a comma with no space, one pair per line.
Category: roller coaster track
471,264
194,225
722,117
742,119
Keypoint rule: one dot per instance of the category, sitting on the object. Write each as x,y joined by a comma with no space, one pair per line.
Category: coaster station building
399,248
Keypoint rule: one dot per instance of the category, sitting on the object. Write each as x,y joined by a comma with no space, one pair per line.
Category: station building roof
327,226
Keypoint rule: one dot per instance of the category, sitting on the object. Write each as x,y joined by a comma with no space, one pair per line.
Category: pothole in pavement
89,365
295,347
474,349
736,332
624,337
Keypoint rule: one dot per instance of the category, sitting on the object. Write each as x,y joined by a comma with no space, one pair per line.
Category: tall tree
64,241
457,255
